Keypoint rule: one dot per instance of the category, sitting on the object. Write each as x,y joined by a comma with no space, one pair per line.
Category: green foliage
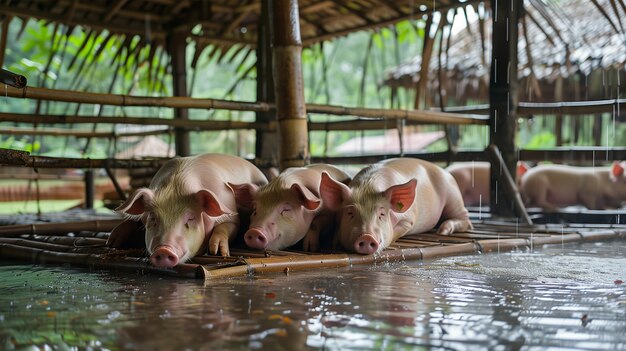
541,141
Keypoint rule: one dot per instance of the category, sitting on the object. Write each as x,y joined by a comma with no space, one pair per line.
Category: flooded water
557,298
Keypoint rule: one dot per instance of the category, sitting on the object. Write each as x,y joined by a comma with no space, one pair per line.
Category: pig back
207,171
310,176
436,194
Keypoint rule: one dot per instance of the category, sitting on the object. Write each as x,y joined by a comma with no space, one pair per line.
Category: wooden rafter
115,7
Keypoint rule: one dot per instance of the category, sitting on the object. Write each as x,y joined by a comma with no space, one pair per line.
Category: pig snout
255,239
163,256
366,244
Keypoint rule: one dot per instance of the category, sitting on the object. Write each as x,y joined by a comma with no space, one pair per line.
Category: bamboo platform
82,244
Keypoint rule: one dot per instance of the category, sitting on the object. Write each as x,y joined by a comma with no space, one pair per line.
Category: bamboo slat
89,251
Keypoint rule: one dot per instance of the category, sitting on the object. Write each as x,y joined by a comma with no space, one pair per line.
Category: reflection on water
555,298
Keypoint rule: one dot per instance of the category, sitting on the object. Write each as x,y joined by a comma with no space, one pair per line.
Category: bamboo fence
49,244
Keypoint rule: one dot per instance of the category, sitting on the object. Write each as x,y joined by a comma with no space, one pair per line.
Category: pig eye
350,213
285,211
381,214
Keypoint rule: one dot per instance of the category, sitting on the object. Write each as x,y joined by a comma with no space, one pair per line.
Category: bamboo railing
199,103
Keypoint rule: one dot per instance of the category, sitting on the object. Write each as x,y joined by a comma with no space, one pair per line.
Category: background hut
568,51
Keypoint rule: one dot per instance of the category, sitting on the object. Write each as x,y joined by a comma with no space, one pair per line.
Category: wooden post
503,97
90,189
266,147
177,45
288,84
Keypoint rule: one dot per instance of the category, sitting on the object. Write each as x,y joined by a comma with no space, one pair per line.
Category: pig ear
401,196
210,204
307,198
617,170
137,202
244,194
522,167
332,192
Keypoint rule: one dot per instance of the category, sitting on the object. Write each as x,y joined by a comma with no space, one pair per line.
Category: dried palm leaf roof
223,22
557,40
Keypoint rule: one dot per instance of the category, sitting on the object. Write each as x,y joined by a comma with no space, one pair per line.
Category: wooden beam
114,8
19,11
503,96
442,157
576,154
306,42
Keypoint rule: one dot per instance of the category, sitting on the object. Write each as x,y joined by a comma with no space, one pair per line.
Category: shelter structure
277,30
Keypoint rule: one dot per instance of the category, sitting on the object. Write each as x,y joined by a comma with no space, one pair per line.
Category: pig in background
393,198
188,204
473,180
553,186
288,209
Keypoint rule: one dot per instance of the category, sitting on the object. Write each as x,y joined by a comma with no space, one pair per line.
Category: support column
503,98
266,147
289,85
176,46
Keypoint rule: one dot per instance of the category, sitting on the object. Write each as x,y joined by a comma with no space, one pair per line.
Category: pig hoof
366,244
164,257
255,239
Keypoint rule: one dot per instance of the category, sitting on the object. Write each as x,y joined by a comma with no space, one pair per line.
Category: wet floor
557,298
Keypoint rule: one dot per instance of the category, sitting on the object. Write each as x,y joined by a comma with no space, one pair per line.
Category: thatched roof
557,41
219,22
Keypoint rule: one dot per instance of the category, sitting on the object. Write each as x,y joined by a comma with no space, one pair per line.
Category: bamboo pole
421,116
529,109
132,100
12,79
177,47
78,133
444,156
41,256
24,159
105,225
507,185
187,124
288,84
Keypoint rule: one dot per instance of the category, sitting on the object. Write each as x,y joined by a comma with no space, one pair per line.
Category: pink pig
288,208
189,201
393,198
473,179
554,186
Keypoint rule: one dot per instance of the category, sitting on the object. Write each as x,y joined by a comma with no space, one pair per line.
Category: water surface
555,298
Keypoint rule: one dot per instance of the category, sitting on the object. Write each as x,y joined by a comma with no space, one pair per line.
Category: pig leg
454,225
541,200
311,241
222,233
127,235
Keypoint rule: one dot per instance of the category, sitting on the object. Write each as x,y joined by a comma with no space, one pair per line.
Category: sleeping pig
554,186
187,204
392,198
288,209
